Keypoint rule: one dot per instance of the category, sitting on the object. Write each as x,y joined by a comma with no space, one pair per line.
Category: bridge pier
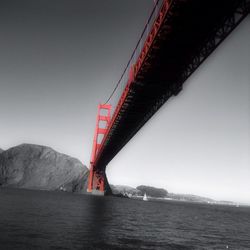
96,182
96,192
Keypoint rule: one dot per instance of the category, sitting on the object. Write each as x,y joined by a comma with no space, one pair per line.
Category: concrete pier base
95,192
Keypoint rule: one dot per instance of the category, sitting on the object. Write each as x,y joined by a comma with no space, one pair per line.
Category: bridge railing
120,86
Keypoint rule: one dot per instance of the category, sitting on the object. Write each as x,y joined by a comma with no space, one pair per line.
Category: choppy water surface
51,220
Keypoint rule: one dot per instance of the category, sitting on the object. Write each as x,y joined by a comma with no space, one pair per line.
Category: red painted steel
153,33
136,67
96,178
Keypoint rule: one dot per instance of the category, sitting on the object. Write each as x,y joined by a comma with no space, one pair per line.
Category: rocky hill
39,167
1,150
152,191
120,190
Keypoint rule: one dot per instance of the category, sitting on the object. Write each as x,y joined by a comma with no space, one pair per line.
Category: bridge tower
96,180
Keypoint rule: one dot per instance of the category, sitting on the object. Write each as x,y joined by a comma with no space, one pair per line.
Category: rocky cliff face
39,167
1,150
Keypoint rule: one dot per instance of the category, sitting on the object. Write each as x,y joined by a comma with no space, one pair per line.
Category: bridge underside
191,30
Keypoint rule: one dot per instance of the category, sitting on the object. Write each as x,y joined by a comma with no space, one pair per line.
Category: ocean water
57,220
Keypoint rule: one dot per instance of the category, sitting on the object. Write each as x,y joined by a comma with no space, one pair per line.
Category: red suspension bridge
178,37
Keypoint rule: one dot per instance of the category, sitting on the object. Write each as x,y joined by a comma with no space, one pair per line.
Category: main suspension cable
134,51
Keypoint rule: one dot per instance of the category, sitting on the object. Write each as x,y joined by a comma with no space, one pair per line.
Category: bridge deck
189,32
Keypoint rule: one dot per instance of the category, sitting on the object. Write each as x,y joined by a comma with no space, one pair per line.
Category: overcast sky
60,58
